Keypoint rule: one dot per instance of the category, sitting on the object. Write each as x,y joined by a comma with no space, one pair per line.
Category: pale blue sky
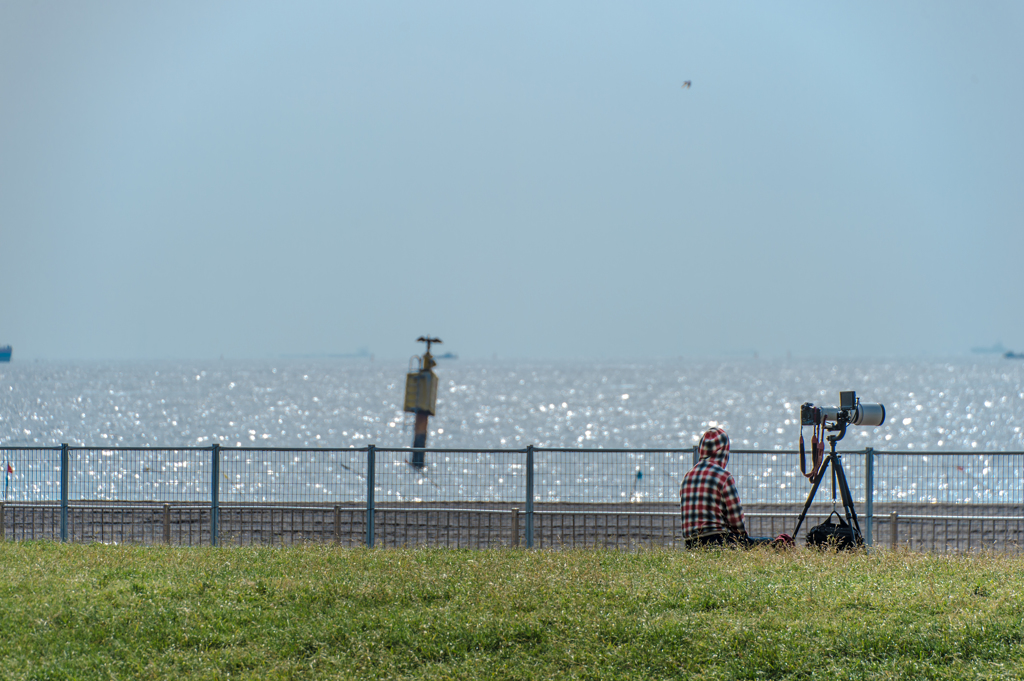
196,179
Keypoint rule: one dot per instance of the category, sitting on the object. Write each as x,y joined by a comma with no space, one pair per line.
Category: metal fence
480,498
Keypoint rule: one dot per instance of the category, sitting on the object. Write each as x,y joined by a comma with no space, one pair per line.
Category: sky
524,180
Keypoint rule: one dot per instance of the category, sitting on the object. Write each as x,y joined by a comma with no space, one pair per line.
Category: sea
973,405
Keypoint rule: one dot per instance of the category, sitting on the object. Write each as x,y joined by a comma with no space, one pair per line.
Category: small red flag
9,469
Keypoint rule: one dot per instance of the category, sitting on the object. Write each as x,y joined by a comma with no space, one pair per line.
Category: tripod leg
844,490
810,497
833,481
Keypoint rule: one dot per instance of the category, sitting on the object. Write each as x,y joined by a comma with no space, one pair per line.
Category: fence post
515,528
3,530
64,492
869,491
371,466
696,459
529,496
167,524
337,524
215,495
893,530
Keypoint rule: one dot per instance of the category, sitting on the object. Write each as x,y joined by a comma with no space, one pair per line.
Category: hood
715,447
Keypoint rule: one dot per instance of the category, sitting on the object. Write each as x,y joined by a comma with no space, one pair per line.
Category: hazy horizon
344,358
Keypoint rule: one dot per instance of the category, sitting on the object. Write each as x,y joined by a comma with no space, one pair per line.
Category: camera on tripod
850,412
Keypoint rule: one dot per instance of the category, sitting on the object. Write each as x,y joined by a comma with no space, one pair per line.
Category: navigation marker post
421,399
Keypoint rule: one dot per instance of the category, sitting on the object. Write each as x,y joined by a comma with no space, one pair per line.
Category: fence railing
948,501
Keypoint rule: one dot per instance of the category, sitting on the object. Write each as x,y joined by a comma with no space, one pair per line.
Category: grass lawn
101,612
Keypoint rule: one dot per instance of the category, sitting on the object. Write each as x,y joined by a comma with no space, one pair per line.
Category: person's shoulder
710,469
721,472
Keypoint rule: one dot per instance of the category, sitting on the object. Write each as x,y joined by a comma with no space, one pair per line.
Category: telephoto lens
868,415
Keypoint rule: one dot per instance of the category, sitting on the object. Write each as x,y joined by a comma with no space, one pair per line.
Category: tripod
838,481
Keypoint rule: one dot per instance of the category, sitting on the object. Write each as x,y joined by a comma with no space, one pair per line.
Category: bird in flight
686,85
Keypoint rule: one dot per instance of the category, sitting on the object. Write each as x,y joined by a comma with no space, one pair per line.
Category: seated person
709,500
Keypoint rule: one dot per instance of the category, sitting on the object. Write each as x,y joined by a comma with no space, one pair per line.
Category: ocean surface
972,405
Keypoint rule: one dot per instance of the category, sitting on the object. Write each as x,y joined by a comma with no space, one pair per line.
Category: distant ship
1014,355
996,349
5,353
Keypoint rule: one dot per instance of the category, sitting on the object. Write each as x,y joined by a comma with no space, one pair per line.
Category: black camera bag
830,534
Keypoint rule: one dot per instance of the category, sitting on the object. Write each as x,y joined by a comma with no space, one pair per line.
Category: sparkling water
971,405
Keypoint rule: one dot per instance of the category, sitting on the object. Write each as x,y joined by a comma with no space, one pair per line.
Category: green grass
91,612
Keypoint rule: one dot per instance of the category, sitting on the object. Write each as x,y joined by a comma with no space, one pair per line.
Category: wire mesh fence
281,497
29,521
949,502
180,524
286,524
31,474
459,498
547,498
466,526
488,478
119,474
30,507
292,476
610,475
143,495
606,528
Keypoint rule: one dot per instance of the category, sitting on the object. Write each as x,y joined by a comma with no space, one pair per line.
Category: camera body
849,412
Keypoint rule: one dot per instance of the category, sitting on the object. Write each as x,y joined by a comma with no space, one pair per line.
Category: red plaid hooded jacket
708,497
